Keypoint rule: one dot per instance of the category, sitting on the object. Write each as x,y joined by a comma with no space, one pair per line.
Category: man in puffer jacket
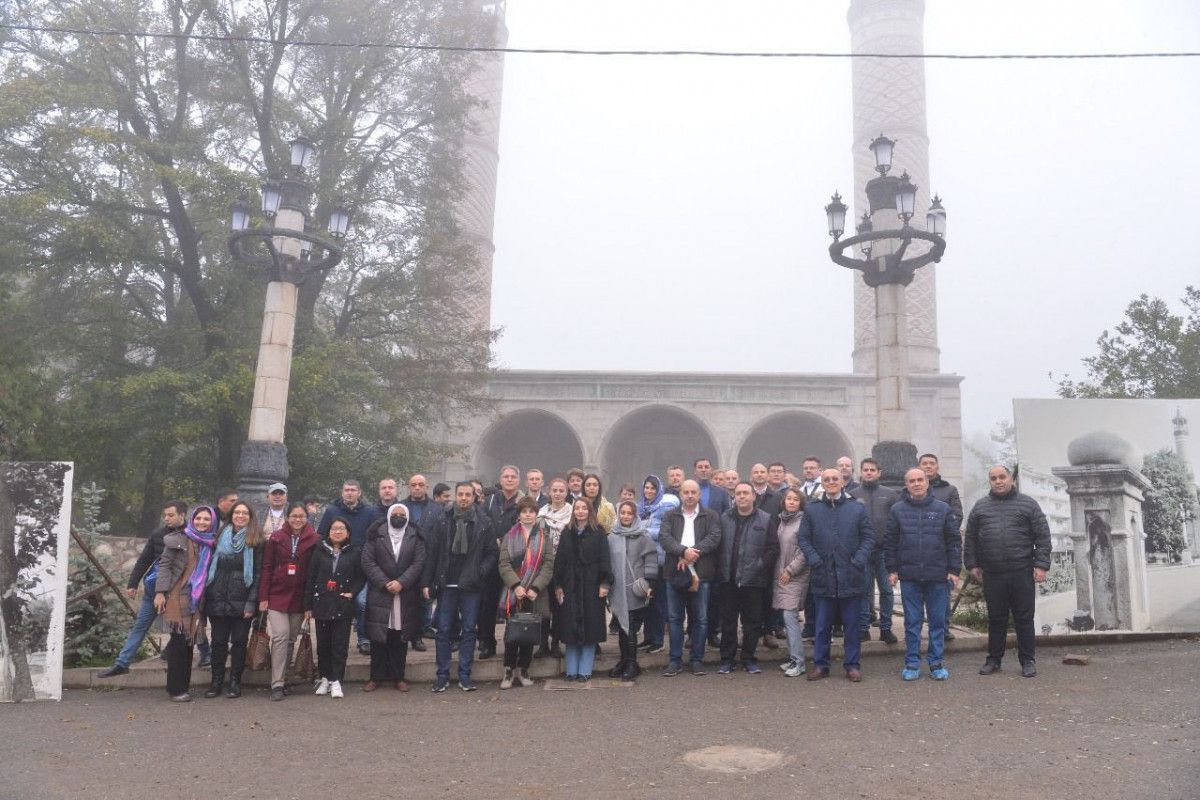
1008,548
924,555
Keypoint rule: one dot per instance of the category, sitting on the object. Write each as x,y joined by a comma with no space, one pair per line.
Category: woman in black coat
392,560
335,578
231,596
582,578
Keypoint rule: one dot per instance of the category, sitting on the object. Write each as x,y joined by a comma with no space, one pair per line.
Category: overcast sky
659,213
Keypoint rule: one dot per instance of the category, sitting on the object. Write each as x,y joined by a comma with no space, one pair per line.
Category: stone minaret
889,98
1192,522
481,158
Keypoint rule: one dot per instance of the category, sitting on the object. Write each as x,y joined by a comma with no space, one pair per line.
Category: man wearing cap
276,516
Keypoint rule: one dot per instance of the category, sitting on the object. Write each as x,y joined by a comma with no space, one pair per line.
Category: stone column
1191,525
1106,494
889,98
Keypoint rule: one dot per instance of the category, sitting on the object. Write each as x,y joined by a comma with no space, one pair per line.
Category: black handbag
523,628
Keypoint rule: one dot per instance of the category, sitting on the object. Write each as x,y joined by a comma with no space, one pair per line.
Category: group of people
775,557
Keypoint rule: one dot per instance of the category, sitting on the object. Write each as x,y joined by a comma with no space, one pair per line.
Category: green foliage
1165,501
96,626
1153,353
1060,577
128,338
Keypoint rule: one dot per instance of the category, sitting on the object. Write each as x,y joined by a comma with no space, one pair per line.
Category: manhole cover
733,760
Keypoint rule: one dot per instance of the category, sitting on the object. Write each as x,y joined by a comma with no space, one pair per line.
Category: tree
1153,353
119,159
1165,501
31,496
98,623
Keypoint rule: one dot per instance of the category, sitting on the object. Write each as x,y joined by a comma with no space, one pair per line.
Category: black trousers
179,664
387,658
714,610
333,642
1007,593
489,601
628,641
229,635
519,655
745,602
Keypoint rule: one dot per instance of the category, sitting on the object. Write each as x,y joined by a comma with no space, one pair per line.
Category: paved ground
1126,726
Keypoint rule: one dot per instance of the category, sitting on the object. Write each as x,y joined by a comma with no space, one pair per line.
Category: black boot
632,670
619,669
235,686
218,683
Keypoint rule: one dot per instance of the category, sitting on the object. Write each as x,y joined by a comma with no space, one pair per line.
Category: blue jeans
656,613
360,616
696,604
137,634
923,598
829,609
461,607
886,598
580,658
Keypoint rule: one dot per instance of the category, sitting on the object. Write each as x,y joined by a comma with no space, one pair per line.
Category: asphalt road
1125,726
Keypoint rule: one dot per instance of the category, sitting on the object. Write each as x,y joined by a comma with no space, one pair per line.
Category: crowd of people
712,561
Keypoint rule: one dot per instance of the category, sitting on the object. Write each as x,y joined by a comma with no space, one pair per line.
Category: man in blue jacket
836,537
924,555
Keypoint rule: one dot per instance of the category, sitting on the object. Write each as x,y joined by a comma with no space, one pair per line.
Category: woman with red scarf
526,567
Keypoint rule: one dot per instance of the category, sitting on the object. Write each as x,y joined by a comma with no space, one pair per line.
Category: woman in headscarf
286,553
653,506
582,579
791,576
335,578
634,565
231,596
392,561
179,581
526,567
557,516
593,490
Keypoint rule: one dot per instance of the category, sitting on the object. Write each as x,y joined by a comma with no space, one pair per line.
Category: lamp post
289,252
888,267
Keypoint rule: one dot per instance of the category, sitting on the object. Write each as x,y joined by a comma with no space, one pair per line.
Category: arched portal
528,438
651,438
790,437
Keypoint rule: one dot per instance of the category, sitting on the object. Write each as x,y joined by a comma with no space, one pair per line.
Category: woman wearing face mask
556,515
179,594
231,597
335,578
653,506
791,576
582,579
392,561
526,567
593,490
285,567
634,565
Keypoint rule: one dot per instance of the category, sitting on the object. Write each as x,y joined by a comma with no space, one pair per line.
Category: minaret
889,98
1191,524
1181,437
476,210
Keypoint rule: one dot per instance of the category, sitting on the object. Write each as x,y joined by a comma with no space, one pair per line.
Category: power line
584,52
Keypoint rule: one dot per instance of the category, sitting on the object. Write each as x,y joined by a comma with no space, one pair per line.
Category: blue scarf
232,544
646,510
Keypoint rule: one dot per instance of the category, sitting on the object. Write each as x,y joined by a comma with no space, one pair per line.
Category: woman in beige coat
791,576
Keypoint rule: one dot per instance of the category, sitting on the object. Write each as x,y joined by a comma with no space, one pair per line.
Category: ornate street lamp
887,266
289,252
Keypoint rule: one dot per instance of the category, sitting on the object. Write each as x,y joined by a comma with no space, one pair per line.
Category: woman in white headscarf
634,565
392,560
556,515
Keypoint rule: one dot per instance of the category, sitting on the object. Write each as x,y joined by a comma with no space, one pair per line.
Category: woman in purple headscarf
179,594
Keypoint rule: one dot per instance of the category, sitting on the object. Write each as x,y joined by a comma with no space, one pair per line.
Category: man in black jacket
174,517
501,510
1008,548
947,492
746,568
690,537
466,555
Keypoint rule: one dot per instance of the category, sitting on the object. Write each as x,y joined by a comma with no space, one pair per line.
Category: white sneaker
786,665
335,690
794,670
322,687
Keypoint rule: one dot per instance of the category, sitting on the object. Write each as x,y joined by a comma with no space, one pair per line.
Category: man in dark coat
746,568
359,516
924,555
467,554
878,500
424,513
837,538
174,516
717,498
392,562
501,510
947,492
690,536
1008,548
